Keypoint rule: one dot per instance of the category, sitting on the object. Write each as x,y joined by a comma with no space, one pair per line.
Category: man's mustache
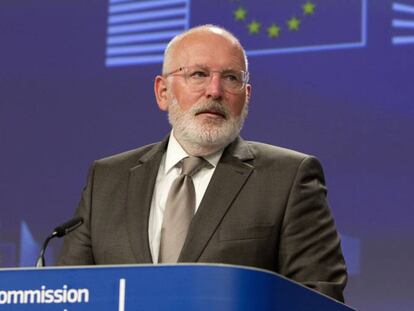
211,107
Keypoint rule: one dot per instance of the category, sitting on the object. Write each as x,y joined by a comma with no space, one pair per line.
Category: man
252,204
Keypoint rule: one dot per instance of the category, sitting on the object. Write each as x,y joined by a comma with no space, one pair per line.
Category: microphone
59,232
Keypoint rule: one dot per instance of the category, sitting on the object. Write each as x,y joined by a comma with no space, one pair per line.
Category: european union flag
283,26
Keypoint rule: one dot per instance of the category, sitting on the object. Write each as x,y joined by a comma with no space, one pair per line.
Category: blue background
61,107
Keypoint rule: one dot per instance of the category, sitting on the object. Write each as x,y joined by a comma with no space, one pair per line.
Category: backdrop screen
330,78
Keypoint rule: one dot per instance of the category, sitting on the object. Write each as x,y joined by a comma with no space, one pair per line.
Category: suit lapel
229,177
140,189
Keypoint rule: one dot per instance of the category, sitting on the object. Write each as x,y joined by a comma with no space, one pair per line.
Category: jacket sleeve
77,245
310,250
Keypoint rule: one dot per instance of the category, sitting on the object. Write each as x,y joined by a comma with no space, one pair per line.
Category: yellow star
240,14
254,27
308,8
273,31
293,24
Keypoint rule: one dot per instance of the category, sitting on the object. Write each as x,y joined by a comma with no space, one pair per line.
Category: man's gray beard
209,136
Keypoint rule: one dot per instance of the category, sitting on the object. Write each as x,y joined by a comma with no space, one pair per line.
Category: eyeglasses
198,78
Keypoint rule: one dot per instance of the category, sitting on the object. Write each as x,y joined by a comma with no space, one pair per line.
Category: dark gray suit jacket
265,207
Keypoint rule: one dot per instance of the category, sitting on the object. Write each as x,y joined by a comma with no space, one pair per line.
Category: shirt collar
175,153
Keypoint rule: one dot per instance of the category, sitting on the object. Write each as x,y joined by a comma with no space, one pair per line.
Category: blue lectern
182,287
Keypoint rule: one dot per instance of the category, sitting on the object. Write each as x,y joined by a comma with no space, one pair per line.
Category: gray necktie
179,210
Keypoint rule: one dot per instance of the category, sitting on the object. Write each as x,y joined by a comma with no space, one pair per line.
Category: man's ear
248,92
160,90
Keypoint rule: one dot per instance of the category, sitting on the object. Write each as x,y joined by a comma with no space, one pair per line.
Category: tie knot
192,165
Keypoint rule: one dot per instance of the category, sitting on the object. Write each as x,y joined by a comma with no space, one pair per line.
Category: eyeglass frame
245,76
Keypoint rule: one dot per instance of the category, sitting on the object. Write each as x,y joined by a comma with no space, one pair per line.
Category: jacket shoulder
127,158
283,160
271,152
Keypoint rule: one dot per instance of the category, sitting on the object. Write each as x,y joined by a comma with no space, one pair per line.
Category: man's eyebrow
230,70
203,66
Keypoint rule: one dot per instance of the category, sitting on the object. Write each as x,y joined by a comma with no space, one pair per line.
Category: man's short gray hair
169,50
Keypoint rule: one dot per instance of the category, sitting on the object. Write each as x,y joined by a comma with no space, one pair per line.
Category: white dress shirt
167,173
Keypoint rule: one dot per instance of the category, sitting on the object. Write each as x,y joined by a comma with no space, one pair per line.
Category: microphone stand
59,232
41,259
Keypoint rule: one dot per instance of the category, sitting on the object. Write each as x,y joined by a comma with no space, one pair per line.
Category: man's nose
214,88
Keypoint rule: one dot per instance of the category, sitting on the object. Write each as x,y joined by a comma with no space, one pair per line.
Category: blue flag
283,26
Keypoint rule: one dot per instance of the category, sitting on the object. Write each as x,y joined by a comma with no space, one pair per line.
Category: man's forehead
197,48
